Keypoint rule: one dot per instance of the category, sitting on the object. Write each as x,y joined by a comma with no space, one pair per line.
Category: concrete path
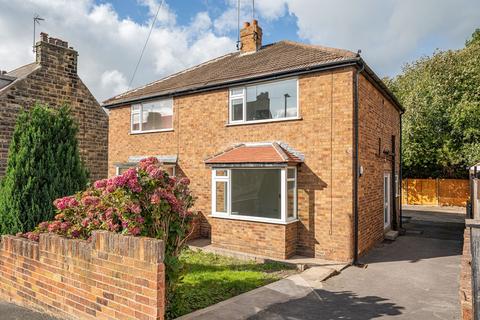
414,277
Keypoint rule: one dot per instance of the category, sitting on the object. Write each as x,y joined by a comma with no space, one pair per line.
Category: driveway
414,277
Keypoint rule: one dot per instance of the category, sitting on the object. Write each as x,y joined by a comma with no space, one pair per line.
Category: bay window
264,101
257,194
152,116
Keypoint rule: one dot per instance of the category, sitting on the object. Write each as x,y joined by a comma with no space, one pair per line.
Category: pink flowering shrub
143,201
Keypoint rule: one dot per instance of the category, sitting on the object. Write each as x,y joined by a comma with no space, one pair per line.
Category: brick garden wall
113,277
466,279
55,82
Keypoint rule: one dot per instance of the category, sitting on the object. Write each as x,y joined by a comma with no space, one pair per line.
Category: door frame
387,200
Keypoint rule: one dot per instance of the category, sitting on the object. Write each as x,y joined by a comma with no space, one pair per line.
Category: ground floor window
263,194
121,168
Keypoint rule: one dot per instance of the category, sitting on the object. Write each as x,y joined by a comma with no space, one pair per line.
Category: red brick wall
324,134
378,119
466,279
113,277
265,239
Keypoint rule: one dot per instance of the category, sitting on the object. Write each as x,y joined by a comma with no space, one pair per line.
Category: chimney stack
54,53
250,37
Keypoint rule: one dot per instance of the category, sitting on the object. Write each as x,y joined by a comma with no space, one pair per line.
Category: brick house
53,79
269,137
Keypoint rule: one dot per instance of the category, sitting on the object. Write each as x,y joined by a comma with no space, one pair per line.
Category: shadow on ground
427,236
327,305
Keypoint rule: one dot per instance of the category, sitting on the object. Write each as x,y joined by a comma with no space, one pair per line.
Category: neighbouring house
291,149
52,79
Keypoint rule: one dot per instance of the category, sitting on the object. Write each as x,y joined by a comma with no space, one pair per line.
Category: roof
283,56
257,153
16,74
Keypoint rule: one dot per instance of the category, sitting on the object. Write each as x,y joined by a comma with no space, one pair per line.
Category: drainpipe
400,179
361,67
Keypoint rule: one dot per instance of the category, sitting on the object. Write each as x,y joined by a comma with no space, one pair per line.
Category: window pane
221,173
221,196
157,115
169,170
135,122
290,199
121,170
236,91
237,109
272,100
291,173
256,192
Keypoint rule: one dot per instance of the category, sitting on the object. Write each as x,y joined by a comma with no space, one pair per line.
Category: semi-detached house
291,149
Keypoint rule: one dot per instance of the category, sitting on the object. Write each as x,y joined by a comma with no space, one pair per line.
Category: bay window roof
269,153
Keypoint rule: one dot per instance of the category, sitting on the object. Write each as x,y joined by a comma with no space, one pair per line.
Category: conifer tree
43,165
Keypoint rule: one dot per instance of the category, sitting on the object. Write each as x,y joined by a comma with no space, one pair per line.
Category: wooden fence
435,192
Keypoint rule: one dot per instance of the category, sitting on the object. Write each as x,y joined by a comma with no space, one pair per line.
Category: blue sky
186,10
109,34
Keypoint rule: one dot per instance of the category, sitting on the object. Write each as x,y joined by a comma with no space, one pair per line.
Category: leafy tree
43,165
441,95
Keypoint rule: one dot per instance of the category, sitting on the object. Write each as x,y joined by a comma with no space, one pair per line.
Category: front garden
211,278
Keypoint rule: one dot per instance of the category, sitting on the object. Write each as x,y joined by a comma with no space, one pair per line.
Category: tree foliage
441,125
43,165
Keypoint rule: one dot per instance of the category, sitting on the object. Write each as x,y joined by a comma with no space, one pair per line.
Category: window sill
151,131
262,121
253,219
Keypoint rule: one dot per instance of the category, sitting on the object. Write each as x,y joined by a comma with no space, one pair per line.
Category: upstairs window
264,102
152,116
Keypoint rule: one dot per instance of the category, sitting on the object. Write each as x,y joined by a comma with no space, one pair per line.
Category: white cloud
109,46
113,80
389,33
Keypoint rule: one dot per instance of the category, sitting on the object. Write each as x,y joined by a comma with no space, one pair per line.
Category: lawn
212,278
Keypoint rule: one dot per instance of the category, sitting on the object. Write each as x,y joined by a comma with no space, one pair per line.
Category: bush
143,201
43,164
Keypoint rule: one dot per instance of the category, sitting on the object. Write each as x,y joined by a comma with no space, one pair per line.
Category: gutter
361,68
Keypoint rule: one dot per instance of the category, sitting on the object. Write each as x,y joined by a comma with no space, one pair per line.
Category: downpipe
355,159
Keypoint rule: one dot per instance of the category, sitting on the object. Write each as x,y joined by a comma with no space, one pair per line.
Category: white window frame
295,195
140,116
397,186
283,195
243,96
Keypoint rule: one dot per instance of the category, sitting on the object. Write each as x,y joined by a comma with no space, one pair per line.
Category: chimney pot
43,36
250,37
53,52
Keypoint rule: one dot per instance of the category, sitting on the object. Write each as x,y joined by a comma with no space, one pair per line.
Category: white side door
386,199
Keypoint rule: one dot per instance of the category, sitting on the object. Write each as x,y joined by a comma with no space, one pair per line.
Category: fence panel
444,192
453,192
